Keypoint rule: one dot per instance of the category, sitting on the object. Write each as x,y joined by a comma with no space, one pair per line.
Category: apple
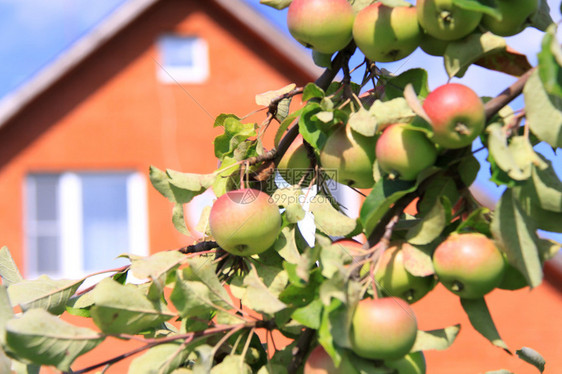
384,328
433,46
469,265
404,152
385,33
456,113
443,20
413,363
323,25
515,14
245,222
393,278
320,362
295,163
349,156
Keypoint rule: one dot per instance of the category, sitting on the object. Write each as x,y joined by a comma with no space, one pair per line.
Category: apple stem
462,129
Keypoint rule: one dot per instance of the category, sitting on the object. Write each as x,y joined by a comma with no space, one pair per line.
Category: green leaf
156,267
204,360
179,187
5,362
125,309
44,339
360,4
311,128
235,132
478,220
294,213
161,359
266,98
548,249
226,177
309,315
6,312
232,365
222,118
548,188
256,295
312,91
481,320
285,125
8,270
529,202
541,19
550,61
393,111
417,260
178,219
286,245
363,122
439,339
532,357
543,111
328,220
478,6
277,4
384,194
516,158
198,290
515,233
21,368
44,293
460,54
431,224
417,77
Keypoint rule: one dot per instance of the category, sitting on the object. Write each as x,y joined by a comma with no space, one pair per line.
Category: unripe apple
515,14
320,362
413,363
404,152
245,222
393,278
351,155
323,25
385,33
443,20
456,113
295,163
383,329
433,46
469,265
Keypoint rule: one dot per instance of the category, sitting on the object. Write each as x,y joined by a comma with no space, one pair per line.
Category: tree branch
301,350
506,96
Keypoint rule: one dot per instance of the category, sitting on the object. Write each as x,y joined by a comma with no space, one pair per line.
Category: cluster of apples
386,34
456,116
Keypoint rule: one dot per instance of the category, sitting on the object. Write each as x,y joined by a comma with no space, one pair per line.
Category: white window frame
70,221
198,73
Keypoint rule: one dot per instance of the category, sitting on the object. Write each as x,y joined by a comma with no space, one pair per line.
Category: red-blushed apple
245,222
383,329
350,156
295,164
515,14
413,363
320,362
456,113
469,265
393,278
443,20
404,152
323,25
385,33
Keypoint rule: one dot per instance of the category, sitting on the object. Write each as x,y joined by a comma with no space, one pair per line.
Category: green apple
404,152
456,113
515,15
433,46
469,265
245,222
349,157
295,163
320,362
383,329
413,363
323,25
385,33
393,278
443,20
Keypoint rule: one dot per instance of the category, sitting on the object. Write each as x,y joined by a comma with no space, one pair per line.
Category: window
77,223
183,59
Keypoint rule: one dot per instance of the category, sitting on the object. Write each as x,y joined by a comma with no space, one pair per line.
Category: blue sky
35,32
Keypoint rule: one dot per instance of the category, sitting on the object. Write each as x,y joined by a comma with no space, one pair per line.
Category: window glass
182,59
